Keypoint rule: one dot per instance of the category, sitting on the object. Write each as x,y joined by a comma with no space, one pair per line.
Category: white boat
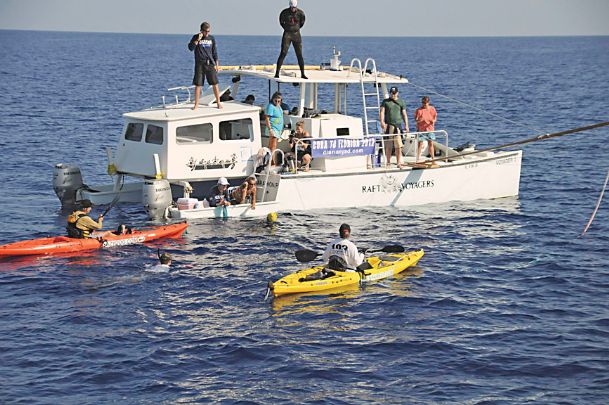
173,148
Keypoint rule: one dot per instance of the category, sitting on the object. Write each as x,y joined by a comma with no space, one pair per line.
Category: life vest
73,231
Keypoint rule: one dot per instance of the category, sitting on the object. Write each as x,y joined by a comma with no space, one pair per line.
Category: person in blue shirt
274,120
206,62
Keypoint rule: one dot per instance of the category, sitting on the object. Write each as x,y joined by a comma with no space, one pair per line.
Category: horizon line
315,36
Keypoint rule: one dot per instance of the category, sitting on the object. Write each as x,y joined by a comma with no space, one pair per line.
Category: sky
324,17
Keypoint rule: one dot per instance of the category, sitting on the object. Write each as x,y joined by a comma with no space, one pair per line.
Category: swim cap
165,258
271,217
293,3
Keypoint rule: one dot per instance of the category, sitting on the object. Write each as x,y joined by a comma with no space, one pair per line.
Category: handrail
187,88
439,131
359,63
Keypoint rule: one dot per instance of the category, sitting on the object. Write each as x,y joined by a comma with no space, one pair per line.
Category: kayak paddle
307,255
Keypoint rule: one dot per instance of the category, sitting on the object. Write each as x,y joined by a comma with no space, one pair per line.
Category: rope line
598,204
529,140
479,109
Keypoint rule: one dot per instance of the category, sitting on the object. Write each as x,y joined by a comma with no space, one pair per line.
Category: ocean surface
507,306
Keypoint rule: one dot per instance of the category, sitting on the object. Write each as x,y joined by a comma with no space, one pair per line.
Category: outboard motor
67,180
156,196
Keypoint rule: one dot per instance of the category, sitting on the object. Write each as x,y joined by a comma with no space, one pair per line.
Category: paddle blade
393,249
306,255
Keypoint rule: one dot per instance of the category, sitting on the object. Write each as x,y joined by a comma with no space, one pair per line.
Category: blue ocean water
507,306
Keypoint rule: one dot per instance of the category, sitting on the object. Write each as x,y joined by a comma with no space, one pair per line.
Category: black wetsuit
291,22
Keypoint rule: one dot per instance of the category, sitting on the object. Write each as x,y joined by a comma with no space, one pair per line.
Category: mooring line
598,204
479,109
528,140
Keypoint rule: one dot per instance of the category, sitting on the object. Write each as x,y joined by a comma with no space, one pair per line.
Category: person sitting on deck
247,190
219,196
250,99
301,151
82,226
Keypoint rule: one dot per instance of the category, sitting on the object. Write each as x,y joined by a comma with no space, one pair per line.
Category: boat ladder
371,98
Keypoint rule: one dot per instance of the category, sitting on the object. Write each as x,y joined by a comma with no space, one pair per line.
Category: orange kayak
63,244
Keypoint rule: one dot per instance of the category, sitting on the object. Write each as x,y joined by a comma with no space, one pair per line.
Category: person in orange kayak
81,225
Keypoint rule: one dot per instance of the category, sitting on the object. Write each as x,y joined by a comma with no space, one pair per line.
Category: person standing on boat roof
426,117
274,121
291,19
206,62
82,226
393,116
344,248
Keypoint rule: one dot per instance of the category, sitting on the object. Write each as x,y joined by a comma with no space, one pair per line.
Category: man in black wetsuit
291,19
206,62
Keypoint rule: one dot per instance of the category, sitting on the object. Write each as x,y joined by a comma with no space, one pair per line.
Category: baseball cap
393,90
222,181
293,3
86,203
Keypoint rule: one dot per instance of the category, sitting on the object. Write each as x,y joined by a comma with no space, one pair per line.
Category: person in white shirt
344,248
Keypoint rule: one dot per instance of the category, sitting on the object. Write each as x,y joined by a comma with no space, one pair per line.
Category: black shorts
202,72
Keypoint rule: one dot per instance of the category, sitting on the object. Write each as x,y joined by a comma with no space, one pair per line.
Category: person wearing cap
247,189
206,62
344,248
392,117
164,264
291,19
426,117
219,193
81,225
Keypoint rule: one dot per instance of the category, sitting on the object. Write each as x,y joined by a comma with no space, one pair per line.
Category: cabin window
342,131
134,131
195,134
154,134
236,129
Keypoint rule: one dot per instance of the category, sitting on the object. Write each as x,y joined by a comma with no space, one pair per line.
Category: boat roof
184,111
315,74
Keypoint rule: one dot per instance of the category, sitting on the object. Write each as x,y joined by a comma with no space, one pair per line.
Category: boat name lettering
210,164
342,147
162,189
394,188
378,276
505,161
124,242
471,165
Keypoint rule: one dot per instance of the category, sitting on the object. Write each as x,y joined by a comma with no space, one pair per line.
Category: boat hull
493,176
232,211
62,244
382,267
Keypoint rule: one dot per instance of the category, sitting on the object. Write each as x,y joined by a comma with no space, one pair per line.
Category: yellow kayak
379,267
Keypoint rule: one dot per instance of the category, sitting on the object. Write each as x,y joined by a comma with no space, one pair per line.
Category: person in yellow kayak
81,225
344,249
